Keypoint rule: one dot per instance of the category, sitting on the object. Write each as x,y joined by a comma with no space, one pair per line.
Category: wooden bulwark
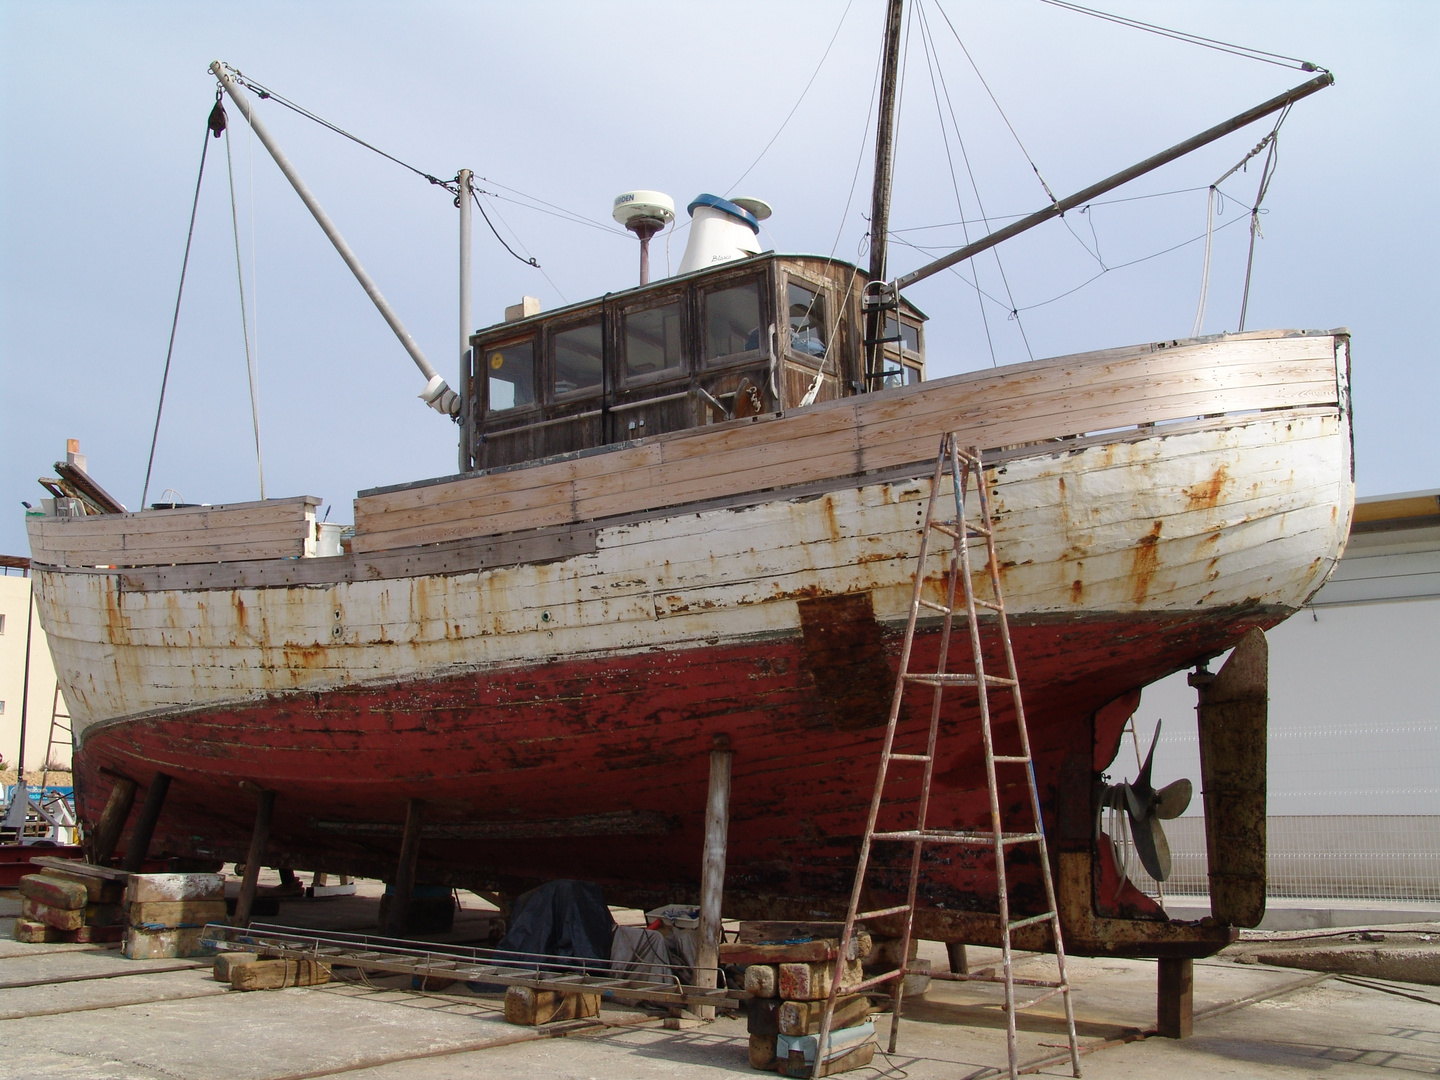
273,529
1060,398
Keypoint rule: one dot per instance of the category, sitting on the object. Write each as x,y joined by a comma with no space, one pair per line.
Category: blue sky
102,110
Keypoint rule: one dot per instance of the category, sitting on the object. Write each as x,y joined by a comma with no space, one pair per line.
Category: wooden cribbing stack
155,915
789,968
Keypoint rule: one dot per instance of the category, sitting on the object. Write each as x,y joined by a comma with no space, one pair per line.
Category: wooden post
1175,998
404,886
106,836
959,962
712,870
139,845
264,810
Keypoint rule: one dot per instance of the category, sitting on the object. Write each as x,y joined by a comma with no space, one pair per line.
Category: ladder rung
943,836
866,984
976,530
1043,997
957,680
909,757
933,606
1021,759
946,528
881,912
952,977
1020,924
986,604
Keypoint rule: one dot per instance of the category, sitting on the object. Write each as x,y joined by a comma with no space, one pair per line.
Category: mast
880,195
464,180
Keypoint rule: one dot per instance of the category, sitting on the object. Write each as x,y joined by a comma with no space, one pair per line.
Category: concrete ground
83,1012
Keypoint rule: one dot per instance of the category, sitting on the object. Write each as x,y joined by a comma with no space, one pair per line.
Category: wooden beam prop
139,846
398,912
259,837
1175,998
106,836
712,870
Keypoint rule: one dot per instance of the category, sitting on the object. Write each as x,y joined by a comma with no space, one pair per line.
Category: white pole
436,394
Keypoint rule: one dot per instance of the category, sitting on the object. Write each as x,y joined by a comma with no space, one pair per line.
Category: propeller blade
1151,846
1172,800
1142,781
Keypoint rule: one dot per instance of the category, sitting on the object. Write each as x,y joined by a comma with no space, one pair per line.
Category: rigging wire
1267,173
1210,206
481,207
1017,217
790,115
250,363
954,181
1278,59
1014,311
210,128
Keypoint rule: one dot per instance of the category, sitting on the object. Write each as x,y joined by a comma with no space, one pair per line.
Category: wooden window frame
479,354
825,291
596,314
689,362
763,278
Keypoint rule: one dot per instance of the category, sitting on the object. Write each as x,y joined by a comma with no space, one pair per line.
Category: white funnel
720,231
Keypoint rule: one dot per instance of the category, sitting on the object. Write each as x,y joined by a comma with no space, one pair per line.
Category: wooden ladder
963,466
59,725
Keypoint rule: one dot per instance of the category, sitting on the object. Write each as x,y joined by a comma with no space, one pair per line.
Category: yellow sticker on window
496,360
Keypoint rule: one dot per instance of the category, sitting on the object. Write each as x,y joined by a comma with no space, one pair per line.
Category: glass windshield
578,358
732,320
652,340
512,374
807,320
909,335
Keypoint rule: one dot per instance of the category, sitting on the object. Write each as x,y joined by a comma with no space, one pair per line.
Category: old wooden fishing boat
686,511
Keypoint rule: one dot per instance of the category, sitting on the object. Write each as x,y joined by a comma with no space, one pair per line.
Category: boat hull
552,696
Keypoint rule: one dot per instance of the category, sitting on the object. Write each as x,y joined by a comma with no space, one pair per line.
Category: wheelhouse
763,334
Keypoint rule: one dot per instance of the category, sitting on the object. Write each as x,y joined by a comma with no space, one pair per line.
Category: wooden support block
741,954
803,1017
762,1052
811,982
959,961
172,888
277,974
98,889
54,891
171,914
227,962
774,931
98,934
1175,998
162,944
763,1016
533,1007
105,915
34,933
762,980
849,1048
59,918
885,953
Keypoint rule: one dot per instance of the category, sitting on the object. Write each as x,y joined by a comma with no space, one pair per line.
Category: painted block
762,980
159,944
170,914
34,933
148,888
532,1007
98,934
59,918
98,890
811,982
858,1058
842,1041
54,891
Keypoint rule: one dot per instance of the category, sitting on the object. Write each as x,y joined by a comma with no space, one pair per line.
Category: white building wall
14,602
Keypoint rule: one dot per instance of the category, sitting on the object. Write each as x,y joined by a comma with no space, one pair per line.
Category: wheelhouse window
579,358
511,377
652,340
732,321
904,361
807,320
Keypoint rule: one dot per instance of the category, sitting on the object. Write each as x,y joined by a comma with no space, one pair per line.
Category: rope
1244,51
217,115
244,319
1210,221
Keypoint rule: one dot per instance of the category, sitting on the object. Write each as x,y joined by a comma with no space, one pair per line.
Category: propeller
1146,808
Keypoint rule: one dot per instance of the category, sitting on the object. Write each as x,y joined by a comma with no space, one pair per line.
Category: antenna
644,213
